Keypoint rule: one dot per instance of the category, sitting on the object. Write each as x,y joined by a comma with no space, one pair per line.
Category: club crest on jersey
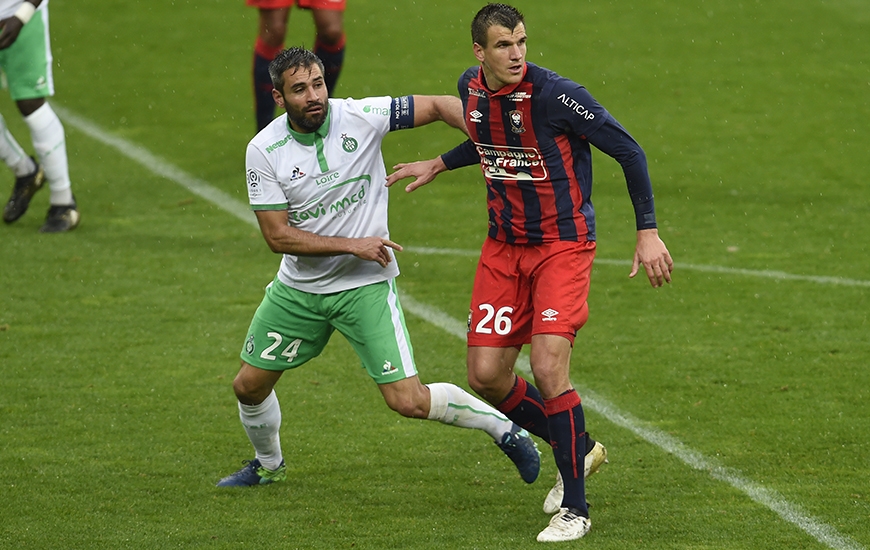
517,122
349,144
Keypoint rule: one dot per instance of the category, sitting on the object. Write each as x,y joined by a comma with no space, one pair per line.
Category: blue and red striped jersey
532,141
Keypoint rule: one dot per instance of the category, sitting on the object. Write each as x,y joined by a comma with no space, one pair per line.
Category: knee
273,27
331,35
409,405
248,392
477,382
274,36
28,106
329,30
490,385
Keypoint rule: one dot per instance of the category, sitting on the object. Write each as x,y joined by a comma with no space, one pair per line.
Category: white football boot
594,459
565,525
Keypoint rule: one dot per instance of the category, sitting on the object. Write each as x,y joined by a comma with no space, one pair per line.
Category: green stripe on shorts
291,327
27,62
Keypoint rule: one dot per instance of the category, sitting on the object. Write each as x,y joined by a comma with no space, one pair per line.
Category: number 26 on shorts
493,320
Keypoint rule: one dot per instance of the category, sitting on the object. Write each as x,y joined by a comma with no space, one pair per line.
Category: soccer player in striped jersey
530,131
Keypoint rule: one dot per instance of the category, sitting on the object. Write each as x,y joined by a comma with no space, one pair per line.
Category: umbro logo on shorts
549,315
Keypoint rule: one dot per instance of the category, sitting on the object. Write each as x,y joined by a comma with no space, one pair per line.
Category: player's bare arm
431,108
652,253
422,171
283,239
11,27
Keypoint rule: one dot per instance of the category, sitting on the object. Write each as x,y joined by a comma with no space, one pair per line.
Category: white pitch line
159,166
771,499
781,275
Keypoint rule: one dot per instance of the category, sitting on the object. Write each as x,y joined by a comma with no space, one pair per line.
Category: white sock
12,153
262,423
49,142
452,405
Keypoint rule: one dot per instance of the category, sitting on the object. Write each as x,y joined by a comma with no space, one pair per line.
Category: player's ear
279,100
478,52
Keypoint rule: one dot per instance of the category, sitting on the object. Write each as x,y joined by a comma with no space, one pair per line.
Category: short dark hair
491,15
291,58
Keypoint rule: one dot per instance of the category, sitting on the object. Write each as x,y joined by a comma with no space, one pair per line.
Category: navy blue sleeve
612,139
572,109
402,113
464,154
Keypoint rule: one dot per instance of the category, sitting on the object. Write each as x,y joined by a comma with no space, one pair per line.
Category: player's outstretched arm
652,253
427,109
431,108
464,154
11,27
9,30
283,239
423,171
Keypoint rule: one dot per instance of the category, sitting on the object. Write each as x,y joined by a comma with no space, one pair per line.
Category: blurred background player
25,58
328,45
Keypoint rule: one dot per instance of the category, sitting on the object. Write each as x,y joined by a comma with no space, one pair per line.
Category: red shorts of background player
337,5
523,290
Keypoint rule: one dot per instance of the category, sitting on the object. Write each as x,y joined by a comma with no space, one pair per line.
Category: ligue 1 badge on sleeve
249,345
255,190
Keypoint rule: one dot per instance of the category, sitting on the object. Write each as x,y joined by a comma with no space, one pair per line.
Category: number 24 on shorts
290,352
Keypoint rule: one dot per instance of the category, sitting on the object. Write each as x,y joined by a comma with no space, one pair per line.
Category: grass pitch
734,402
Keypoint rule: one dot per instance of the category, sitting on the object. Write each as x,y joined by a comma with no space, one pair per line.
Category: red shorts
336,5
523,290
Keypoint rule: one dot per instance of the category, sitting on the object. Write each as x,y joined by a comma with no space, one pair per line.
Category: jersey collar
505,90
308,139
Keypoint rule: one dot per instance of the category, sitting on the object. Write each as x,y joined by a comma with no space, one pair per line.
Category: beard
309,122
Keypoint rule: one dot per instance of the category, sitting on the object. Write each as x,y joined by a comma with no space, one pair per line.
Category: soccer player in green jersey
316,180
25,58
